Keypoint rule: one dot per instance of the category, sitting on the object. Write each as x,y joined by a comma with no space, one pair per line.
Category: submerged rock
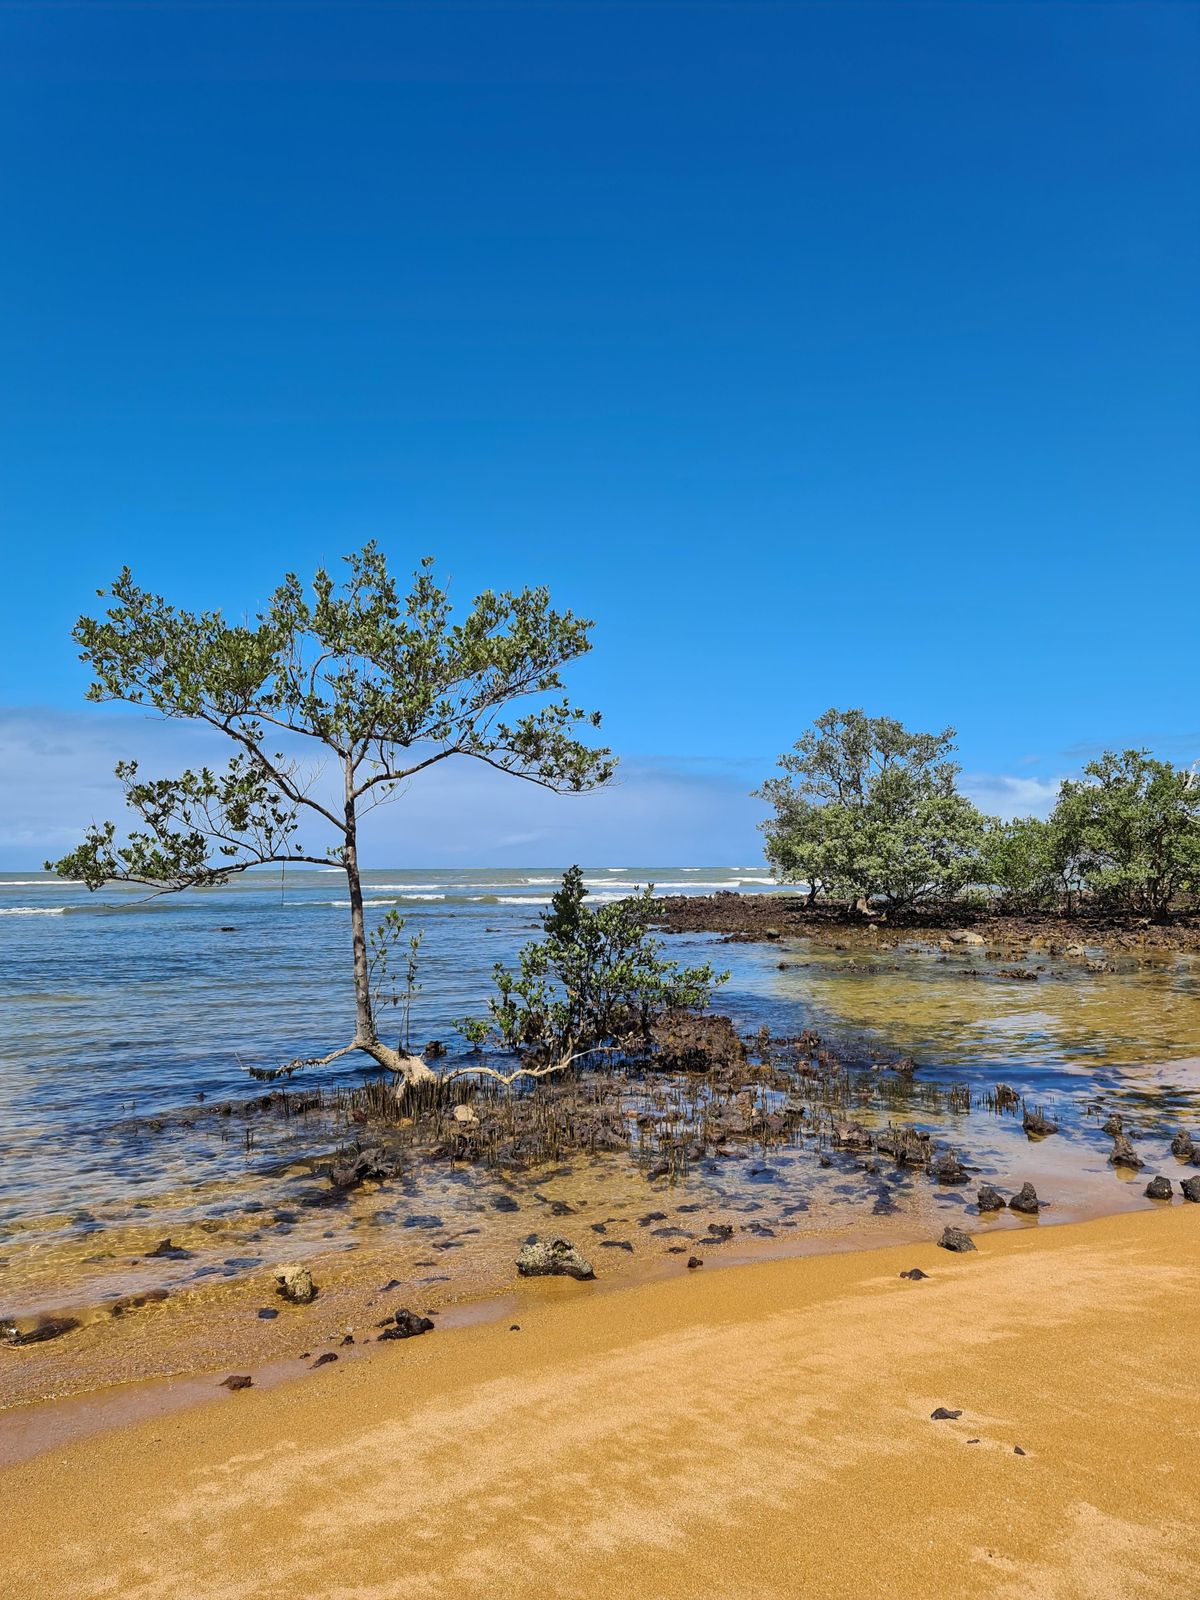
553,1258
955,1239
989,1199
1183,1146
352,1167
294,1282
1124,1155
169,1251
38,1332
1158,1188
236,1381
1113,1125
1026,1201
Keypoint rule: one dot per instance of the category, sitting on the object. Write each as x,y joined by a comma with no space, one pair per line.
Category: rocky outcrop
948,1169
1025,1201
1158,1188
1183,1146
989,1199
553,1258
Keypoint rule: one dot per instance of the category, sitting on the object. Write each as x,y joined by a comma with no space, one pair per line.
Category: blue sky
833,354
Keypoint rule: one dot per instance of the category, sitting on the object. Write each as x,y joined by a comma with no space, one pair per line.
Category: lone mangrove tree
380,686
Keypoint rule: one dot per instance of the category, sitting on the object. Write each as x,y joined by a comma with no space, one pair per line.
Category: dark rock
989,1199
1183,1145
434,1050
1017,1451
944,1414
237,1381
652,1216
169,1252
267,1313
425,1220
695,1261
719,1233
955,1239
1026,1201
1124,1155
1158,1189
915,1274
615,1244
406,1325
515,1328
1037,1124
1190,1189
553,1258
948,1169
323,1361
1113,1125
349,1339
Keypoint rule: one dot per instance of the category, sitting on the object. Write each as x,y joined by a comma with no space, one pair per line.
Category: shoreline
700,1433
755,918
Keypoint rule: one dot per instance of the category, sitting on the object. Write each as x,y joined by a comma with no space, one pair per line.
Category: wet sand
737,1432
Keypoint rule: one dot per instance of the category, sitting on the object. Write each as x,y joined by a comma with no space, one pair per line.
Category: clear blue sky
825,354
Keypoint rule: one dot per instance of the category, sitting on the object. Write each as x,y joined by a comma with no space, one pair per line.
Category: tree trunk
411,1069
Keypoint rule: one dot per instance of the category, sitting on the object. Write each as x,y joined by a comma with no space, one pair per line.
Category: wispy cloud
56,777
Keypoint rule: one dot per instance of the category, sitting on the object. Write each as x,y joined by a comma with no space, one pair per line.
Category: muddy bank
743,917
590,1448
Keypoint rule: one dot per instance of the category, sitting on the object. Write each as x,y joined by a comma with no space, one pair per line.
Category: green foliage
596,980
866,808
1135,823
1029,861
386,682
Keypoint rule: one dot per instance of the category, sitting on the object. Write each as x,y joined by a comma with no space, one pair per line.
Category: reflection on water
121,1016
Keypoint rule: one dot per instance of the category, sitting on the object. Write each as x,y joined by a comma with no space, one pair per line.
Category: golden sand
748,1432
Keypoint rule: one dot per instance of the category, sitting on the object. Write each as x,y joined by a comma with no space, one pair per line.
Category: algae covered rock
553,1258
294,1282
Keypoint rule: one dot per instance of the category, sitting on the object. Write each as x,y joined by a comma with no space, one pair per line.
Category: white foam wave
32,911
41,883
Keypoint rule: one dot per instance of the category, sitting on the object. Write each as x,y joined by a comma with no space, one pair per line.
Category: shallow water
119,1013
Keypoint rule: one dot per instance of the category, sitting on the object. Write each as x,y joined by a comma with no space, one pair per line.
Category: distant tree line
864,810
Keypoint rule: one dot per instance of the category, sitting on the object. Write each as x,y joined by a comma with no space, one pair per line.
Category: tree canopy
865,808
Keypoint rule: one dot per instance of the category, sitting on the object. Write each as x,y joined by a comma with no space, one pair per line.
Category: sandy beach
750,1431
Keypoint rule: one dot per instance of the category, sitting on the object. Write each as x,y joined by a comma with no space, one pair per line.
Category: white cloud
56,777
1003,794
